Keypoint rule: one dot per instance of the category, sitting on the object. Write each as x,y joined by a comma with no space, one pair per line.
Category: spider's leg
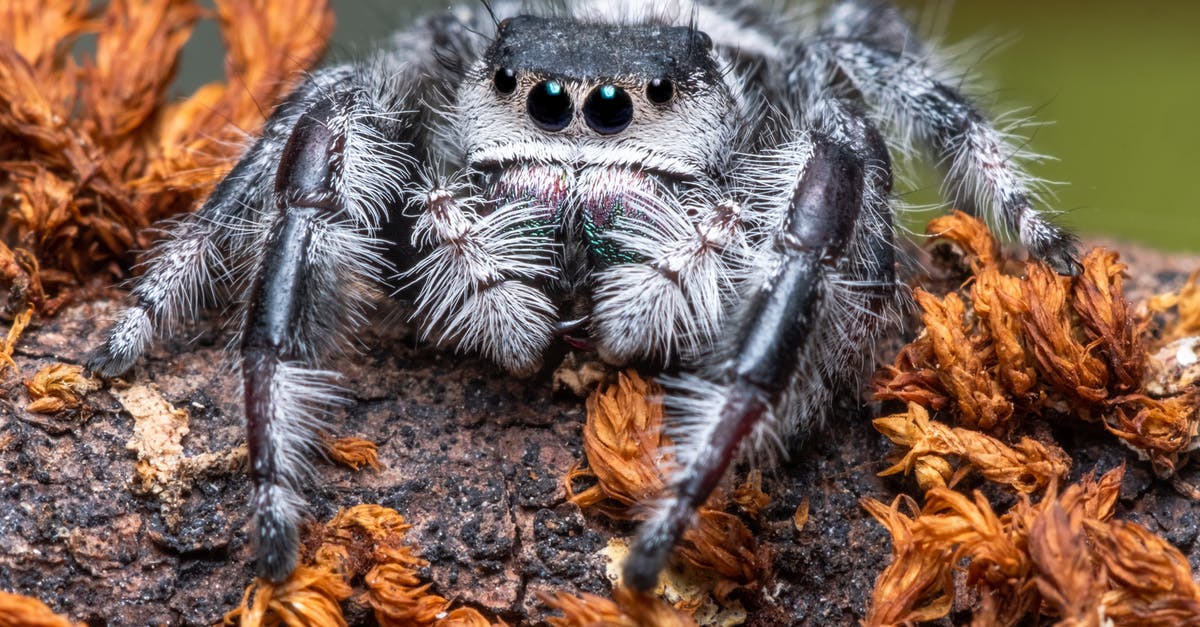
769,338
983,170
879,23
313,275
191,266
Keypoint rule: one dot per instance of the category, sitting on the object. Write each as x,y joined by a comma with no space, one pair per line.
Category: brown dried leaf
800,518
399,598
57,387
624,442
126,85
992,296
913,377
621,438
1065,364
961,368
1066,577
23,611
969,234
1152,581
1062,554
1161,429
918,585
625,609
10,339
353,452
42,32
749,495
309,596
1027,467
365,543
721,543
93,154
1099,299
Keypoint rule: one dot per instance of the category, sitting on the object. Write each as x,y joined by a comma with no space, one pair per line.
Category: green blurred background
1118,81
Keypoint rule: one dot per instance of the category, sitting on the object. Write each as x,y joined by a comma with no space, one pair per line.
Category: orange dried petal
625,609
309,596
968,233
353,452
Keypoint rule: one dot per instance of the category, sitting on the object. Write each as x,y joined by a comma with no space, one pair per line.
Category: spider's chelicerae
696,186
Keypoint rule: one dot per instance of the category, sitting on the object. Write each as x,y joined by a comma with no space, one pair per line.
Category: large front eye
550,106
608,110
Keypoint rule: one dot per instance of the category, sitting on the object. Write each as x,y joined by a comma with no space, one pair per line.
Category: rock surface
473,459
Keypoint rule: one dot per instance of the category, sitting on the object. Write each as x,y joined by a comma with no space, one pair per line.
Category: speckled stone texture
473,459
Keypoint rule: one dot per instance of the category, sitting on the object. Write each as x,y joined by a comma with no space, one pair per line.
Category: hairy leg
870,52
743,392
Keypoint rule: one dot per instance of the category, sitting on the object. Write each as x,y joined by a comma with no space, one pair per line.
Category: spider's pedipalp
476,280
675,300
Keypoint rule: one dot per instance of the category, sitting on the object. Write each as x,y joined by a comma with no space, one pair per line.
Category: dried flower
1028,466
625,446
1062,557
1014,345
625,609
310,596
353,452
363,544
59,387
749,496
92,151
10,339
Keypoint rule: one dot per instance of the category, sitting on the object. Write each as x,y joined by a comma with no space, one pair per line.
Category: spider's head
560,90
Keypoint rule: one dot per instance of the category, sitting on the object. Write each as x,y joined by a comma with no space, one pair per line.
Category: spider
704,188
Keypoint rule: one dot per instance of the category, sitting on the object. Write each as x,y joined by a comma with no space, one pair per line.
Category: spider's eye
550,106
505,80
660,91
608,110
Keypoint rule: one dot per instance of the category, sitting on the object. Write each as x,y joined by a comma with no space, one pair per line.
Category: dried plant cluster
1025,341
359,558
1016,341
93,149
625,609
628,456
1063,557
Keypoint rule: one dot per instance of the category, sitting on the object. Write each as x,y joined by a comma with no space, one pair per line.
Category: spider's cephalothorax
701,186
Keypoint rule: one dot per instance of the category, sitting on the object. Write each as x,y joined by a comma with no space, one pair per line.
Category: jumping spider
696,186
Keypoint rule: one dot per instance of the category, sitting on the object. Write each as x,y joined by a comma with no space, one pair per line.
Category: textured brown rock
472,458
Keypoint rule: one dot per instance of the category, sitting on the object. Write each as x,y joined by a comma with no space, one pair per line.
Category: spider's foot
1060,250
123,344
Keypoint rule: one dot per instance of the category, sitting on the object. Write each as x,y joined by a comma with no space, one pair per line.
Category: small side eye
505,80
550,106
660,91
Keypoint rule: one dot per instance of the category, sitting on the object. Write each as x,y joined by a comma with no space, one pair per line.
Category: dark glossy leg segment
309,289
773,330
